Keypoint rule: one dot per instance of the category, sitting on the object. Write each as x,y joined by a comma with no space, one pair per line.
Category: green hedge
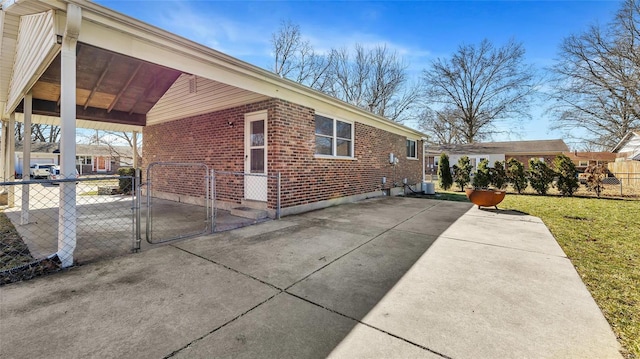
126,184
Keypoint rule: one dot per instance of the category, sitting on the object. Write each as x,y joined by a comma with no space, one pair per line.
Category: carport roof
139,54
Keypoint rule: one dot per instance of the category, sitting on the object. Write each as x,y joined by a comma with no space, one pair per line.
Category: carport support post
10,160
67,214
26,157
135,149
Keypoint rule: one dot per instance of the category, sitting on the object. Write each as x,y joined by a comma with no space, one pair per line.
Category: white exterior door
255,156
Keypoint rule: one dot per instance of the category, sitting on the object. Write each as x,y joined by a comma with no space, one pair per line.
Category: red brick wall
291,148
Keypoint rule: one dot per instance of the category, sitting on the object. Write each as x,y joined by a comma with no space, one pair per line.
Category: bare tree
597,77
373,79
39,132
116,142
443,126
127,137
295,58
484,84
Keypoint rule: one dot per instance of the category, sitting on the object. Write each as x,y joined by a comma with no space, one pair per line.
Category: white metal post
26,157
3,149
135,149
67,213
11,158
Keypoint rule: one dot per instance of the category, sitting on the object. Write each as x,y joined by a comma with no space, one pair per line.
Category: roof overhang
622,142
114,33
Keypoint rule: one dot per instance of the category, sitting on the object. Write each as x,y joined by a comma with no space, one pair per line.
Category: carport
76,64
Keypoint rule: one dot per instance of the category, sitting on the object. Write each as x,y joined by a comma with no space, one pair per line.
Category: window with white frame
333,137
583,163
84,160
411,149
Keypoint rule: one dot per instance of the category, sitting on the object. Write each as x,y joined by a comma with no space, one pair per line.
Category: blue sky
420,31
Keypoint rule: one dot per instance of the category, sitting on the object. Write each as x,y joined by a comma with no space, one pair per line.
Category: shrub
483,175
540,176
462,172
516,175
595,175
125,183
444,172
498,175
567,175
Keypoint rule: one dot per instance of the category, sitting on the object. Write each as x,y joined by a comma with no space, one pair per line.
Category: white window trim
416,148
334,138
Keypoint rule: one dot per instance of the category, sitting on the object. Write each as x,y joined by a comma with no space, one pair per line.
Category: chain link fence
32,242
110,216
625,185
622,184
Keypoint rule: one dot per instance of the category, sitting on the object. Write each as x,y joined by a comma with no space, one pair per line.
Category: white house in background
629,147
90,159
523,151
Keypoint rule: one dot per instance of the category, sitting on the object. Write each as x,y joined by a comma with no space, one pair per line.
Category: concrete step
251,213
254,204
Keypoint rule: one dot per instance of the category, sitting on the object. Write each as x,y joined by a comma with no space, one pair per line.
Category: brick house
195,104
522,151
90,159
584,159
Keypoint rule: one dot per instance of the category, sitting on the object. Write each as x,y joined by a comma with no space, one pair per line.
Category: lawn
13,251
601,237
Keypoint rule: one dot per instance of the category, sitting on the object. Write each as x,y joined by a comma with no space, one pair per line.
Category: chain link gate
177,201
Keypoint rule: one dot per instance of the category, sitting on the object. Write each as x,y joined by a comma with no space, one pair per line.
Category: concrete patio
382,278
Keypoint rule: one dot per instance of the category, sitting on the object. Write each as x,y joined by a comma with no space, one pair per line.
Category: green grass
13,251
601,237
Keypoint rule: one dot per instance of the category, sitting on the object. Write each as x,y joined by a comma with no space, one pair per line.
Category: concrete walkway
383,278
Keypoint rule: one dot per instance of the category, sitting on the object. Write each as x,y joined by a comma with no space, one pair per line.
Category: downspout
67,214
424,177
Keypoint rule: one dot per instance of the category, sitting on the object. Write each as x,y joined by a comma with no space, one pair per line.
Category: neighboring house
523,151
627,163
629,147
584,159
90,159
195,104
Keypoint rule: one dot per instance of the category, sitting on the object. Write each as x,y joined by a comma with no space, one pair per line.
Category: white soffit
36,48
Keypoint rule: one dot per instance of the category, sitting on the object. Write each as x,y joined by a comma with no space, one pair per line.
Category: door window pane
257,160
257,133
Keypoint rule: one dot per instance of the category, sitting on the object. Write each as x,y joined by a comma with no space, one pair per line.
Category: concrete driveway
382,278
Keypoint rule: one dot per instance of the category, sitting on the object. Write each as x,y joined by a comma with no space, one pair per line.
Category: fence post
148,221
278,197
138,220
213,201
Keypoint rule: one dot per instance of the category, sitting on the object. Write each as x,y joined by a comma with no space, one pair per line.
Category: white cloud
201,24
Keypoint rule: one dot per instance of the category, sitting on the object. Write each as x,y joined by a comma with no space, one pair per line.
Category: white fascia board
622,142
112,31
95,125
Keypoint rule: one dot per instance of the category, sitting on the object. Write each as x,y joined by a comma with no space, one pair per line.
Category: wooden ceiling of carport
109,87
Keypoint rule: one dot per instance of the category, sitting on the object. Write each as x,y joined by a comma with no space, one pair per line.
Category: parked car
40,170
54,174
